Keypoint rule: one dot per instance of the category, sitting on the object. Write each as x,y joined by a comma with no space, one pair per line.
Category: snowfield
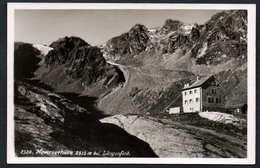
42,48
186,29
222,118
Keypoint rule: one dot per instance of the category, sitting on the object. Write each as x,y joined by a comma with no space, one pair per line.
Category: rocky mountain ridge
50,125
220,39
218,47
72,65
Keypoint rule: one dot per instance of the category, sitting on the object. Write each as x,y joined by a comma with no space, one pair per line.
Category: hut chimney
186,85
198,78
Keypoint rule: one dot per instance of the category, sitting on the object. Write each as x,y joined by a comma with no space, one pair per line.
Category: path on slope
109,102
141,90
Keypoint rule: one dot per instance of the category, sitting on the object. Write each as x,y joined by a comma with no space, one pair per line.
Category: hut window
210,100
218,100
197,99
190,91
190,100
213,91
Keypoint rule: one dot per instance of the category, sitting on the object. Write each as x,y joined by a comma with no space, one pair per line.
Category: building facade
175,110
206,94
237,108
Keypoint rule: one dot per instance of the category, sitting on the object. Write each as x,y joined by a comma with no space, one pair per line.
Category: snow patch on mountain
186,28
202,51
42,48
152,30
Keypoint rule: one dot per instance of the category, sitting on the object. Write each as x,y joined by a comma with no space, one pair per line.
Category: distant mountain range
223,38
149,66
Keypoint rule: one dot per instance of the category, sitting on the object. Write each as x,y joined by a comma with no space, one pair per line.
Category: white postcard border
251,132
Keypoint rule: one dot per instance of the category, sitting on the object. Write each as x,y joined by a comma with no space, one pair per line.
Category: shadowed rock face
225,34
46,121
25,60
128,44
75,65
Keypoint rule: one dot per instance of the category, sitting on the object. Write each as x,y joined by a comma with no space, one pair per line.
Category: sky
94,26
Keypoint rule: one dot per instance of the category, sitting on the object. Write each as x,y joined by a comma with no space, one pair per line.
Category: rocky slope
176,140
146,90
48,124
25,60
73,66
128,44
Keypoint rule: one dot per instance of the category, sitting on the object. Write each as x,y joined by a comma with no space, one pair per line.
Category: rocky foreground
48,124
173,139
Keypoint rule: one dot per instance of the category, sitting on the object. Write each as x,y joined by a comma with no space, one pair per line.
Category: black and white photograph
131,83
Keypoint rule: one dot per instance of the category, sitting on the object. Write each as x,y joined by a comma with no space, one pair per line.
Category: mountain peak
172,23
138,27
62,47
69,40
